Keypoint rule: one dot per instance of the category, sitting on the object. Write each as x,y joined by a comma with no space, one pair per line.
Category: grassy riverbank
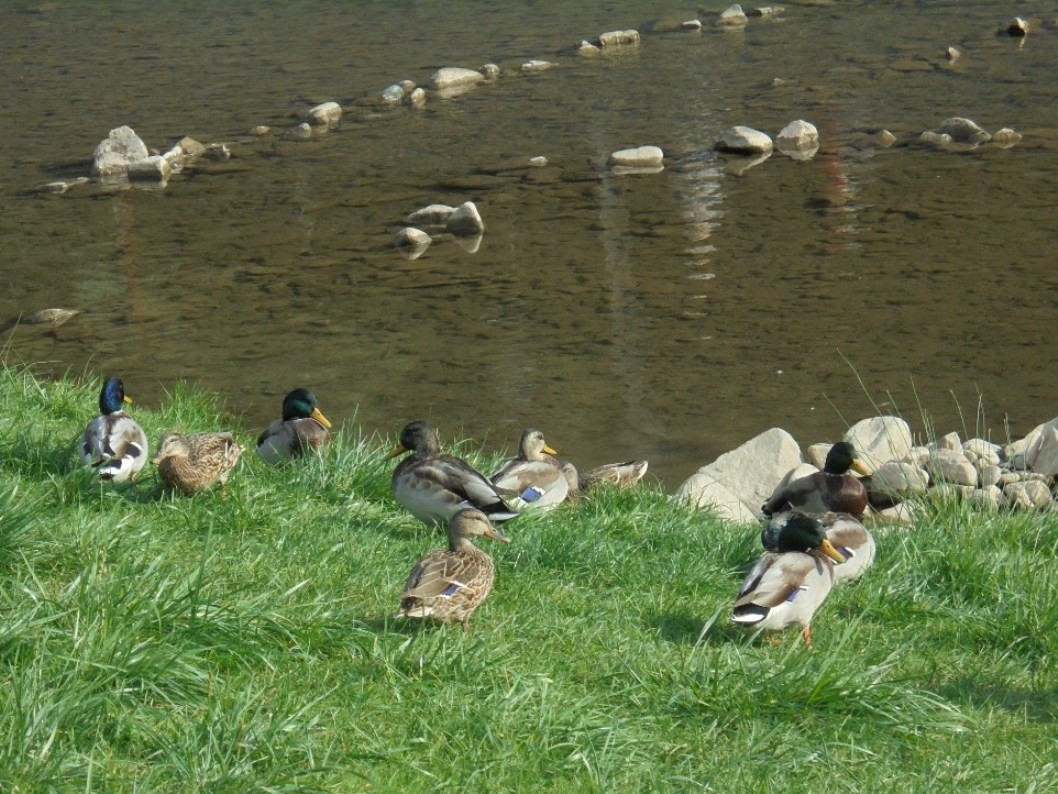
231,645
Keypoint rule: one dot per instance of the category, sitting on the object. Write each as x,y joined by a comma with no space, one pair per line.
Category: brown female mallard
447,585
195,462
303,429
787,586
113,443
434,486
535,476
618,475
832,489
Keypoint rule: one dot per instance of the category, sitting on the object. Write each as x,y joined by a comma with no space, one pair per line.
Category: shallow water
669,316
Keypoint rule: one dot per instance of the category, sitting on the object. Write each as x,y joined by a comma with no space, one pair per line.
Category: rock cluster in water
1020,475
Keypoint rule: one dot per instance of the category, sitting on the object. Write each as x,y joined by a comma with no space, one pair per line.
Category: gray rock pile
1020,475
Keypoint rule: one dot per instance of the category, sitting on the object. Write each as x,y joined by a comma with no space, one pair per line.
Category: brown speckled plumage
195,462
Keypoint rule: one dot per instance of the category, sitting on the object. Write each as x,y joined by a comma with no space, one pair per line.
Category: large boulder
880,439
743,140
749,473
113,155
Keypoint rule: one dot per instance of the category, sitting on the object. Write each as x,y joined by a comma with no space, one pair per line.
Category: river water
668,316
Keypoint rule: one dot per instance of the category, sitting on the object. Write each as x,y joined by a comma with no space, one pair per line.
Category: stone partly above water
453,77
113,155
744,140
1017,476
465,220
326,114
639,157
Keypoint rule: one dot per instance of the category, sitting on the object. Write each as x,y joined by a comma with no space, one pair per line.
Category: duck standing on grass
433,486
303,430
850,537
832,489
535,476
195,462
113,443
787,586
447,585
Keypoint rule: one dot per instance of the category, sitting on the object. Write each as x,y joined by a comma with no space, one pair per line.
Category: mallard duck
433,486
618,475
302,430
113,443
832,489
787,586
535,475
850,537
447,585
195,462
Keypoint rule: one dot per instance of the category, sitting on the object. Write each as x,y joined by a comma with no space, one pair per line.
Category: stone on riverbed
392,94
744,140
619,38
465,220
639,157
150,169
1005,138
964,131
412,241
453,77
733,16
51,317
431,215
1018,27
798,134
113,155
537,66
326,114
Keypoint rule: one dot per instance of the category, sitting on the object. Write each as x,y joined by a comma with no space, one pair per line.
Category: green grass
159,643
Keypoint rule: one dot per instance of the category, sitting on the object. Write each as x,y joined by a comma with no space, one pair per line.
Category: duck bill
828,549
317,414
399,449
860,468
548,450
126,399
495,534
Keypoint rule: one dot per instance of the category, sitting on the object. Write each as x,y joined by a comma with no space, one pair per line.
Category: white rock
918,456
963,130
902,513
539,161
744,140
951,466
899,479
1018,27
465,220
537,66
413,240
490,70
619,38
1005,138
934,139
302,130
983,453
749,472
703,490
989,497
326,114
640,157
417,98
453,76
392,94
952,54
990,475
587,48
798,134
431,215
113,155
150,169
691,24
733,16
1028,495
817,454
1042,455
880,439
886,139
50,317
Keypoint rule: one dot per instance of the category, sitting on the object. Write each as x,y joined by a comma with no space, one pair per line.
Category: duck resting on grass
113,443
433,486
535,476
787,586
616,475
195,462
303,430
850,537
447,585
833,489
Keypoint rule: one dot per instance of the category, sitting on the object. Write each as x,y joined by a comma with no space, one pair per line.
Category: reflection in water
667,316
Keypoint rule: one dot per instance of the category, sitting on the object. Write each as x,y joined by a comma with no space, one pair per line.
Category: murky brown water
669,316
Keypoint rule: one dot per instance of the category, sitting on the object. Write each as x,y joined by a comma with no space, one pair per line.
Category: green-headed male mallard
433,486
113,443
851,538
447,585
303,429
832,489
535,476
787,586
195,462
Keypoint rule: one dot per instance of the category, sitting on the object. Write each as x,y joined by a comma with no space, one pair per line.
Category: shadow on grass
686,629
1038,705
